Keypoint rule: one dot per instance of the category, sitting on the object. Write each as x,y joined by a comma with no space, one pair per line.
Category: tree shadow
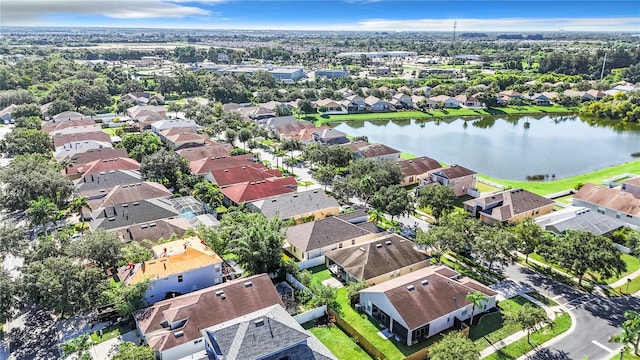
549,354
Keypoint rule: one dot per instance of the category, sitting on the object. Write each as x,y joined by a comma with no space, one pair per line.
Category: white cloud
30,12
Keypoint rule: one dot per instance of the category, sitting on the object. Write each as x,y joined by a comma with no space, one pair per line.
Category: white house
446,101
179,267
162,125
424,303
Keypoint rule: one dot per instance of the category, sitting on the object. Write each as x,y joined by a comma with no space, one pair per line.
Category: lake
506,148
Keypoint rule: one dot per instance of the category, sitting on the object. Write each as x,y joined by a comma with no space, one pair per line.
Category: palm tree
41,211
76,206
477,299
245,135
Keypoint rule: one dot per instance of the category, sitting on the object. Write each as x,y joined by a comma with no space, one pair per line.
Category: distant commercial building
284,74
377,54
332,73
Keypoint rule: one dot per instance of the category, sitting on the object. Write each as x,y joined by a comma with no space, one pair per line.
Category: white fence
295,283
311,262
623,249
311,314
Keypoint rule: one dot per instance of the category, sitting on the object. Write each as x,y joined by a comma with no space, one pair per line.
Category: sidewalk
623,280
547,266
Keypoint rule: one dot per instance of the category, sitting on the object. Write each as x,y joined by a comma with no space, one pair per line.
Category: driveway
597,317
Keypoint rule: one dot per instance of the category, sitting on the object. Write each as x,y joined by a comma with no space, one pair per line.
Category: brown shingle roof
97,154
156,230
59,140
367,150
124,194
242,174
378,257
104,165
318,234
244,192
610,198
418,166
454,171
203,309
511,203
210,149
205,166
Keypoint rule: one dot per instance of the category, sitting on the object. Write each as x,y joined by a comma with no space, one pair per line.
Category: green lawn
110,131
508,110
561,324
319,274
369,329
628,355
406,155
553,186
340,344
543,299
629,288
492,326
110,333
483,188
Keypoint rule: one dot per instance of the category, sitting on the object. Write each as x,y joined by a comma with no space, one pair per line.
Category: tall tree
42,211
440,199
244,135
79,346
129,351
630,331
325,175
529,236
494,245
440,239
530,318
454,346
27,141
77,204
8,292
164,167
258,243
140,145
477,299
125,298
393,200
100,247
12,239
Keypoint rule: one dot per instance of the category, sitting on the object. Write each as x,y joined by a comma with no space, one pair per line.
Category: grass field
110,333
339,343
628,355
319,274
454,112
492,327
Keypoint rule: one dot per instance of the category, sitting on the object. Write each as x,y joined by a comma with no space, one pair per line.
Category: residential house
403,100
509,206
575,93
375,104
206,165
155,231
413,169
593,94
53,125
269,333
100,166
538,99
255,190
159,126
468,101
329,136
142,98
313,239
346,92
377,260
621,202
61,140
357,102
5,114
98,185
421,102
283,129
173,327
256,113
364,150
383,70
328,106
424,303
76,130
424,91
253,172
91,155
311,204
178,138
134,111
72,149
507,95
179,267
210,149
305,136
460,179
68,116
446,101
145,118
579,218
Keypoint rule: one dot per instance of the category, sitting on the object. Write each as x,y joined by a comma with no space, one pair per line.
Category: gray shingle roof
318,234
289,205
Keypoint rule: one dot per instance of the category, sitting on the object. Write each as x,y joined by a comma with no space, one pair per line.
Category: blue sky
370,15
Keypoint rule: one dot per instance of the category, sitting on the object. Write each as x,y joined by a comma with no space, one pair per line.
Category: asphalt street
597,317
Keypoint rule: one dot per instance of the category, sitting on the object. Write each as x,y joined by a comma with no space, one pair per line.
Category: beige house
460,179
412,169
313,239
377,260
508,206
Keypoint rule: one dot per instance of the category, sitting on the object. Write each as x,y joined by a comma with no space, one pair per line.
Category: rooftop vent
362,249
136,203
178,333
248,284
388,242
259,322
378,246
152,224
424,282
411,288
220,294
144,226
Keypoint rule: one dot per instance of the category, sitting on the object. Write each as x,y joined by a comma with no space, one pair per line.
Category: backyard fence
311,262
359,338
311,314
295,282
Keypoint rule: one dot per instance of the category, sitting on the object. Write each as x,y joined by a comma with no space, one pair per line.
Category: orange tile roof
163,267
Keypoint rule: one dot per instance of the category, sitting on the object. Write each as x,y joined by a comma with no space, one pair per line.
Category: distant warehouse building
377,54
331,73
283,74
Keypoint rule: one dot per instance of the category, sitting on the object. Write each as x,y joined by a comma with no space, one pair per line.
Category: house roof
409,293
372,100
97,154
366,150
633,181
68,116
510,203
103,166
59,124
418,166
464,98
208,150
454,171
190,259
443,98
377,257
327,133
327,102
98,185
177,130
251,191
586,220
510,93
71,149
242,174
156,230
124,215
61,139
326,232
306,135
76,129
134,111
291,128
610,198
186,137
289,205
269,333
168,124
206,165
196,307
128,193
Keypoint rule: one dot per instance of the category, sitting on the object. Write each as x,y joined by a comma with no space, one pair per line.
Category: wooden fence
359,338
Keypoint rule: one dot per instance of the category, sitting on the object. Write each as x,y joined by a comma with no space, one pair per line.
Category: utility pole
603,64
